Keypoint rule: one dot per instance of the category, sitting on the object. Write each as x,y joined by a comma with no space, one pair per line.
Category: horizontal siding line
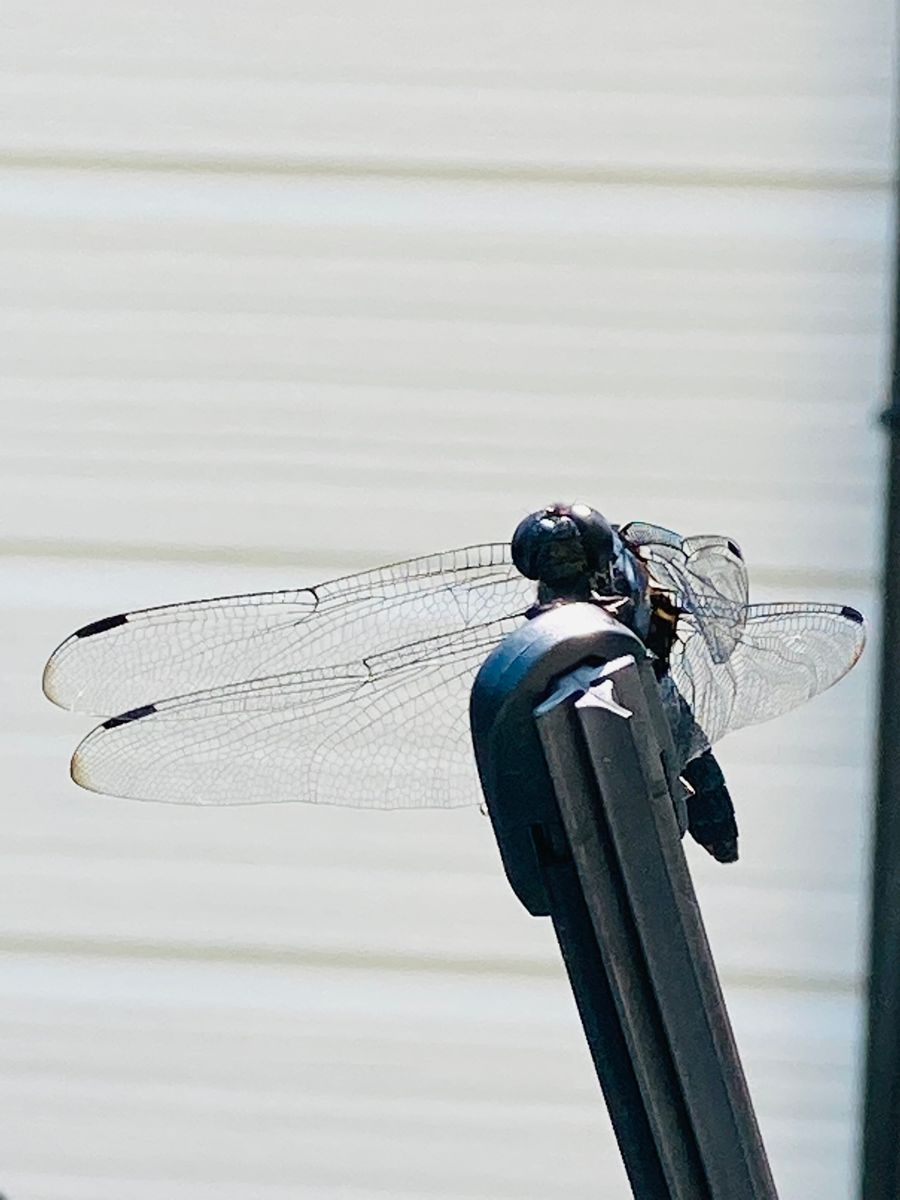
869,80
462,458
380,960
277,483
345,560
452,314
87,416
53,392
851,180
579,255
582,382
863,279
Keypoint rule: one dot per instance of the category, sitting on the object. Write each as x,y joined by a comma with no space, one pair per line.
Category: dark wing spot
852,614
102,625
735,550
133,714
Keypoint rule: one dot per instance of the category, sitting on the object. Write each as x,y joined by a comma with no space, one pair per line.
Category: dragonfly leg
711,819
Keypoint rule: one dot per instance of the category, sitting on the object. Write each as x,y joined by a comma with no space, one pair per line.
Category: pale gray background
291,289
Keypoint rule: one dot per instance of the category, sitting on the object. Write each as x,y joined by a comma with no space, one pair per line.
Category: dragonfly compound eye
562,542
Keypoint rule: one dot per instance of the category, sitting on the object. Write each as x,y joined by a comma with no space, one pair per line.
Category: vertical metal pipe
881,1131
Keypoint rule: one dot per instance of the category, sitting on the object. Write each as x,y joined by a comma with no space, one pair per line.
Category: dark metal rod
615,944
602,1027
881,1128
585,805
682,975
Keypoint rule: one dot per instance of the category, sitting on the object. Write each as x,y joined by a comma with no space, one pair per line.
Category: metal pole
881,1130
579,773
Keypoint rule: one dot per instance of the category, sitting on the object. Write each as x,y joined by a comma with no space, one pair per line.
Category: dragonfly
355,691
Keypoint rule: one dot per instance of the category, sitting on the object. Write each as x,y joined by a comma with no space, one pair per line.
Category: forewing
692,570
388,731
120,662
784,655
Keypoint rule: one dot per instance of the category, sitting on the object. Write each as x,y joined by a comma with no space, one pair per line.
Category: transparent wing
783,655
691,570
119,662
387,731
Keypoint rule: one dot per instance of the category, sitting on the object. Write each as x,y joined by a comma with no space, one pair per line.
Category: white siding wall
291,289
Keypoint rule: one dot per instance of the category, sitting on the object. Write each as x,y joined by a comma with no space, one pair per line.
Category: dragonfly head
568,548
